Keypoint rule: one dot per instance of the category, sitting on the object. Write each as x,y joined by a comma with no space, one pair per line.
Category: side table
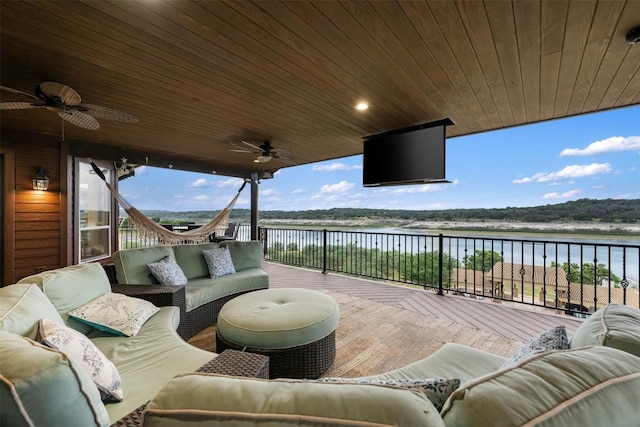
238,364
229,362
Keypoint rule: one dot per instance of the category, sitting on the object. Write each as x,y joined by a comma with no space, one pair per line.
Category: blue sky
594,156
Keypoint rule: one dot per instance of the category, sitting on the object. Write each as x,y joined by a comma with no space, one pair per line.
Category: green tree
423,269
588,274
481,260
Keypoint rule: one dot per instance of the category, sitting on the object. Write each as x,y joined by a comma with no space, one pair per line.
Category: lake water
620,255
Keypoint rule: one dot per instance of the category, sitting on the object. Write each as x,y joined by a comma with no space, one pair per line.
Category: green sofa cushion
616,326
236,401
588,386
205,290
41,386
450,361
245,254
21,308
191,260
72,287
131,264
150,359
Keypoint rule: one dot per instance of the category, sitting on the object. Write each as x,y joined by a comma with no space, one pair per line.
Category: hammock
149,229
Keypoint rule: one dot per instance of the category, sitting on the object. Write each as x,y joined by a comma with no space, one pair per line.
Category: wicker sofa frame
191,322
307,361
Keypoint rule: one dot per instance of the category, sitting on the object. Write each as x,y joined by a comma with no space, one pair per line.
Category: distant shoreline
608,229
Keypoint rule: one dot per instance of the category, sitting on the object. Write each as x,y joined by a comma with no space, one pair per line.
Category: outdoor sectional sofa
593,383
201,299
44,387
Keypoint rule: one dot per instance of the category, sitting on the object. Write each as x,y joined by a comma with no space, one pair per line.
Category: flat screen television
413,155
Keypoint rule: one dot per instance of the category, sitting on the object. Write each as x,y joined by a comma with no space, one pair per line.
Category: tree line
582,210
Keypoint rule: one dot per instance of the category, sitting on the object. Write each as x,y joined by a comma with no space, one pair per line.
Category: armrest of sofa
159,295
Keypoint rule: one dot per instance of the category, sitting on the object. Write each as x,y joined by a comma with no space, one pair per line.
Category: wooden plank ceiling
201,76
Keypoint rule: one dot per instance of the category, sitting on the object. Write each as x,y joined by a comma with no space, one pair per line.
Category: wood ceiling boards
200,76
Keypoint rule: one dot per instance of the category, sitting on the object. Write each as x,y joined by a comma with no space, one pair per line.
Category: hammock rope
149,229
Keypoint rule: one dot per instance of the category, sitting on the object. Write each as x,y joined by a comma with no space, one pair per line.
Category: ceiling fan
265,152
67,103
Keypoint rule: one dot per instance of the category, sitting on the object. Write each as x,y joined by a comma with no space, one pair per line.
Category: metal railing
570,274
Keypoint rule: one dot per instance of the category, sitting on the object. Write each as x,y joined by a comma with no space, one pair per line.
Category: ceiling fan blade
255,147
107,113
80,119
64,92
283,153
19,92
240,150
19,105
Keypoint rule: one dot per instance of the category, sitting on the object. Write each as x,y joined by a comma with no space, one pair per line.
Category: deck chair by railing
230,233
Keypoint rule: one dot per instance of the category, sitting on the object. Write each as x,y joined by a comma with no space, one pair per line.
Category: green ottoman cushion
278,318
616,326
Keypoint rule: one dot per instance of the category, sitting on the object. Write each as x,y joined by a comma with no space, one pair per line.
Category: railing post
263,235
324,251
440,263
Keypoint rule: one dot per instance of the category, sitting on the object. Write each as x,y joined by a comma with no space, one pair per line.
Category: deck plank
504,319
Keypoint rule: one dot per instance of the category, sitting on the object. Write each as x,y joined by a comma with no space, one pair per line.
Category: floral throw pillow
553,339
79,349
437,390
168,272
219,262
115,313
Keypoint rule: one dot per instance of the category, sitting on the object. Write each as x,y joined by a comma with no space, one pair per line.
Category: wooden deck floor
519,323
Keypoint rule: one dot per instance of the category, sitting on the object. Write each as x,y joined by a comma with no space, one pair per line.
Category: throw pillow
82,351
219,262
168,272
437,390
553,339
115,313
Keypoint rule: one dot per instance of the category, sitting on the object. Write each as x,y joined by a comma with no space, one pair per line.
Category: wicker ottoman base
306,361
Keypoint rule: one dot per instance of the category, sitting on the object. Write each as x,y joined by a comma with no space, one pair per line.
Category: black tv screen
414,155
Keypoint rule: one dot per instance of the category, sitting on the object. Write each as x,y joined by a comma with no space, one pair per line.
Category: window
94,212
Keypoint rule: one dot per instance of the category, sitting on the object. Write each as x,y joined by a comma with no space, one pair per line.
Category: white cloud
421,188
299,191
201,198
230,182
609,145
565,195
141,170
333,167
269,192
341,187
573,171
200,182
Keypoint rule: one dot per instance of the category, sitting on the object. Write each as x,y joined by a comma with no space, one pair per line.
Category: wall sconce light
40,180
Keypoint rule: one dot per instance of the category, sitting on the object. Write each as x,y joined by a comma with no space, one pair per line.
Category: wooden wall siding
201,75
37,214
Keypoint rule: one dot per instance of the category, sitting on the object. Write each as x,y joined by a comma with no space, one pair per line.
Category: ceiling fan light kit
266,152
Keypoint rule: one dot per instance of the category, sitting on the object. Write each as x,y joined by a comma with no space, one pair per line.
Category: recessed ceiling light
362,106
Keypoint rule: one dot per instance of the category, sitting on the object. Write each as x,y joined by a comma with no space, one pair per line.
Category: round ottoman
294,327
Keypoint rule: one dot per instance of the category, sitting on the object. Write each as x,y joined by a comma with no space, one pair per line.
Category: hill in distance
582,210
